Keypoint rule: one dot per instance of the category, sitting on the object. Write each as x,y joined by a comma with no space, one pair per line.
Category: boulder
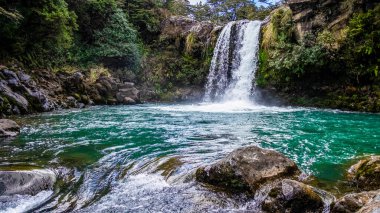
20,93
8,128
366,173
14,98
292,196
354,202
130,93
26,182
246,169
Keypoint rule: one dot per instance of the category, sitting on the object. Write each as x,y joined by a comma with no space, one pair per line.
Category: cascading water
234,63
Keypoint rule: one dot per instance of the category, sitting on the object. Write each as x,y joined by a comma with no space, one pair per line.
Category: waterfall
234,62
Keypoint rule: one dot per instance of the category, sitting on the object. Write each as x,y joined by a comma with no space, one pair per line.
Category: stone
132,93
71,101
365,174
26,182
14,98
129,101
372,207
8,128
246,169
292,196
127,85
353,202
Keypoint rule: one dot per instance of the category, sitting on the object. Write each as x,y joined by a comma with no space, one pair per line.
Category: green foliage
93,15
297,60
231,10
118,40
42,36
145,16
283,61
362,47
14,16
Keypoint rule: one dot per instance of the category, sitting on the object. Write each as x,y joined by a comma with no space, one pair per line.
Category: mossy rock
293,196
247,169
366,173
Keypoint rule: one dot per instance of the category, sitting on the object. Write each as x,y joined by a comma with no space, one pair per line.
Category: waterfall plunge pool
142,158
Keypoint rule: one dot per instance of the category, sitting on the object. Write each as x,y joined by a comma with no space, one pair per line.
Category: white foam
227,107
23,203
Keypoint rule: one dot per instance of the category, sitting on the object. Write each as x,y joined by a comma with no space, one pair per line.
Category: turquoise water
142,158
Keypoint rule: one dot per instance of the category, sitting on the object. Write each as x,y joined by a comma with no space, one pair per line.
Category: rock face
366,173
177,67
109,91
292,196
21,93
8,128
312,15
358,202
26,182
246,169
181,26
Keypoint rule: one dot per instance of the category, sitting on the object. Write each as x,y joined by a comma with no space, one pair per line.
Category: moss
169,166
190,41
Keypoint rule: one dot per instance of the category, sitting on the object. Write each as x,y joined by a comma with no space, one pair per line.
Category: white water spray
234,63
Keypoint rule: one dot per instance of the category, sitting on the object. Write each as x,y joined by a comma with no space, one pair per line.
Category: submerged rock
366,173
8,128
26,182
354,202
292,196
246,169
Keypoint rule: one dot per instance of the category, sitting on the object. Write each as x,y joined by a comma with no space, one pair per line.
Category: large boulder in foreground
366,173
246,169
357,202
8,128
26,182
292,196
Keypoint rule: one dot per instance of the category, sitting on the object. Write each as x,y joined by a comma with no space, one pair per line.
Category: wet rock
371,207
26,182
246,169
8,128
129,101
71,101
14,98
292,196
351,203
366,173
128,95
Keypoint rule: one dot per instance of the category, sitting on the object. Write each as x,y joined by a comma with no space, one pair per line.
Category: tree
145,17
117,44
44,33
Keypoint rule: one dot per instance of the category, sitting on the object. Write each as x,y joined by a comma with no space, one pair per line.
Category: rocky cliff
322,53
177,64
